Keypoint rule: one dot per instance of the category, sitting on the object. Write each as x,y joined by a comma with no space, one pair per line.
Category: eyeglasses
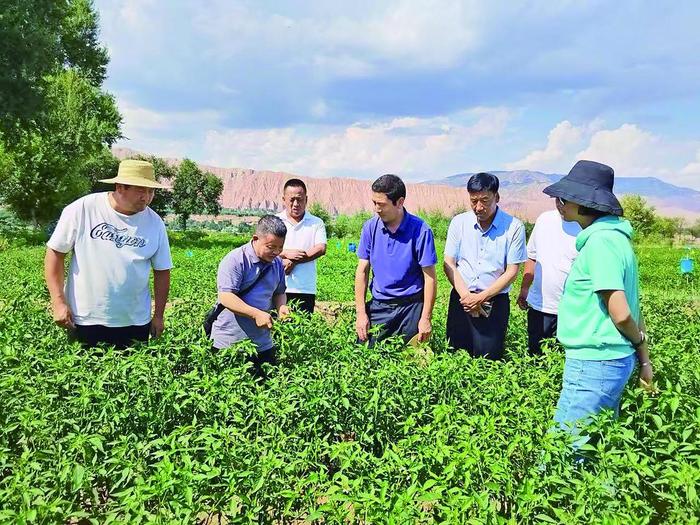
560,201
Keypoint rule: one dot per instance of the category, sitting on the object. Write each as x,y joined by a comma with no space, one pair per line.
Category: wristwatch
642,338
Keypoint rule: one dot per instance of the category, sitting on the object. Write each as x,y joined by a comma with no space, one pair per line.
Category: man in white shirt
551,251
305,242
116,239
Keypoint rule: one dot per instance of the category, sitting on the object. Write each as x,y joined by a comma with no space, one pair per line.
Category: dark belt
401,301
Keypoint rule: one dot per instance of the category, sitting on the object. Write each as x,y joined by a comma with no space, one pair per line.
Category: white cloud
139,121
432,33
629,149
690,174
348,42
693,168
167,134
561,140
410,146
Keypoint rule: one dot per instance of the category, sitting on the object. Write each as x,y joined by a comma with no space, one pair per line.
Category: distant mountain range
667,198
521,191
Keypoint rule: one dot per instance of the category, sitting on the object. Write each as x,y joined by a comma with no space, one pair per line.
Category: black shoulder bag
214,312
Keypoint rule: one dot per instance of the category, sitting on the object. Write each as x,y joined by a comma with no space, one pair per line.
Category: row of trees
648,224
192,191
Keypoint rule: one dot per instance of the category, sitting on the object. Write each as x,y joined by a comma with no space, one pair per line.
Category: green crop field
172,433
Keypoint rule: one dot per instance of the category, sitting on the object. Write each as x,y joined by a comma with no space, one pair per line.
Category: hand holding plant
425,329
362,326
157,326
283,312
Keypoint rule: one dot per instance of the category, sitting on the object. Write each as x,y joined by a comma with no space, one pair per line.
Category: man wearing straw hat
116,239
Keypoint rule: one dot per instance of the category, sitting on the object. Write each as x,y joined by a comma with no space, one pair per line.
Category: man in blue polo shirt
400,250
483,253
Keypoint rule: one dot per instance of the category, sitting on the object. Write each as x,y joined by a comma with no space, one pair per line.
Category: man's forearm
455,278
161,289
429,293
237,305
361,280
528,275
503,281
54,265
279,300
314,253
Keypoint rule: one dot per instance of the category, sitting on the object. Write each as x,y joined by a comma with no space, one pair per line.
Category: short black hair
271,224
591,212
483,182
391,185
295,183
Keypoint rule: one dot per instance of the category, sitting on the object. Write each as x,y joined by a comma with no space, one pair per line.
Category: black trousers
481,336
540,325
394,319
122,337
306,302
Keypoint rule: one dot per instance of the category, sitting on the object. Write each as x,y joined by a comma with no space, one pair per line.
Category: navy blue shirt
398,258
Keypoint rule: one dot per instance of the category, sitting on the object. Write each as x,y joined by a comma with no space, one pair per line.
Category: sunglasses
560,201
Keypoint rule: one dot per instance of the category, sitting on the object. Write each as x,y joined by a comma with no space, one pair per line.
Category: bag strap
257,279
220,307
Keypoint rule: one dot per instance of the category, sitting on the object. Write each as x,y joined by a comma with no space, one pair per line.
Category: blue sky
421,88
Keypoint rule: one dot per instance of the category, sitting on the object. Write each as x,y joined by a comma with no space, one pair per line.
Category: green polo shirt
606,261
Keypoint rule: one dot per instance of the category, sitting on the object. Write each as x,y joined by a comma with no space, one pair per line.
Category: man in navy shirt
400,250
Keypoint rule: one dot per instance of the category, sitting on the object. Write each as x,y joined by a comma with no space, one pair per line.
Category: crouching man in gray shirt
250,282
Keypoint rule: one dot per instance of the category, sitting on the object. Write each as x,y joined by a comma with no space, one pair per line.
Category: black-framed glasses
560,201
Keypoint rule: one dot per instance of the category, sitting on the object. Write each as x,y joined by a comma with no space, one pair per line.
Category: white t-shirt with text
552,245
113,253
303,235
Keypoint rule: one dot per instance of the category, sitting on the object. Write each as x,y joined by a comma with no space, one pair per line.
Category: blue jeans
589,387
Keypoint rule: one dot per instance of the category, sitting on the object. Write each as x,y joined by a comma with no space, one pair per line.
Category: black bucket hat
589,184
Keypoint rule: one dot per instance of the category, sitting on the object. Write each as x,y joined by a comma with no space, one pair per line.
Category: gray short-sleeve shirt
238,270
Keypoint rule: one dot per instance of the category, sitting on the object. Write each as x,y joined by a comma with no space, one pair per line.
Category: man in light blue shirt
483,253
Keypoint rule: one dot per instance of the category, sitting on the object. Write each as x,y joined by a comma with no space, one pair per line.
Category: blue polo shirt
398,258
482,256
237,271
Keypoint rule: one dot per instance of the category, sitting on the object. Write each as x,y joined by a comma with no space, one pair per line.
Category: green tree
44,168
195,192
639,213
319,211
105,165
667,227
39,38
165,173
694,229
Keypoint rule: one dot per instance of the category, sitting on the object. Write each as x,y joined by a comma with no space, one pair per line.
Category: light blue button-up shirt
482,256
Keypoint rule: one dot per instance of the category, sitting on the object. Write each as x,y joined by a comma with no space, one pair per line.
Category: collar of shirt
402,226
495,223
290,222
250,253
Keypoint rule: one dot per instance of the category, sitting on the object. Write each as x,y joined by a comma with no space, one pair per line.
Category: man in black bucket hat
600,324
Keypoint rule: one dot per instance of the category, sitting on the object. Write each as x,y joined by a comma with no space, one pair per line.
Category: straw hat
135,173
